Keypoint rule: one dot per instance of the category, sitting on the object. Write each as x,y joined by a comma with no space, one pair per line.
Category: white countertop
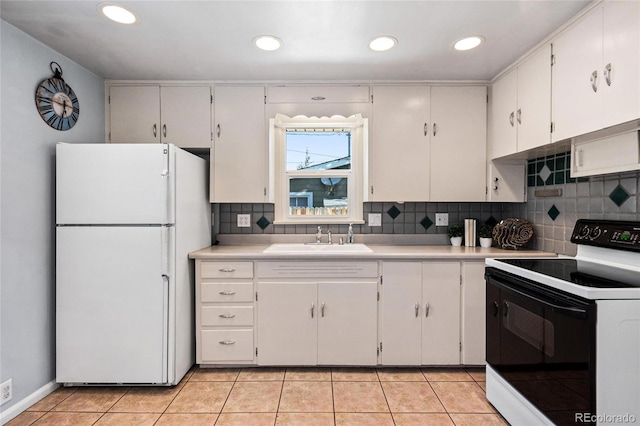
379,251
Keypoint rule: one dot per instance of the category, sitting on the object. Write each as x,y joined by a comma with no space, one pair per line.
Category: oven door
542,342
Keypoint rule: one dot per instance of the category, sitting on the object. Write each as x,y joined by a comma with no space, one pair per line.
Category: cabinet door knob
519,116
511,116
426,310
218,130
425,129
434,129
312,309
417,309
164,130
594,80
322,310
155,130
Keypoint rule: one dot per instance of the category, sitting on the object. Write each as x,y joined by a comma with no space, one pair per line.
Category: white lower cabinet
473,318
309,314
420,313
396,312
224,312
441,316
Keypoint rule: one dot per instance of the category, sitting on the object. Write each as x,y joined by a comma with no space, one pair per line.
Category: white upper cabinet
458,143
239,155
180,115
596,75
521,106
504,102
400,144
318,94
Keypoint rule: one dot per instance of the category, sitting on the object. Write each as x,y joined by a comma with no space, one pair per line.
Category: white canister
470,232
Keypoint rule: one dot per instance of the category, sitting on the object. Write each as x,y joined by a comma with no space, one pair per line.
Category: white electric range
563,334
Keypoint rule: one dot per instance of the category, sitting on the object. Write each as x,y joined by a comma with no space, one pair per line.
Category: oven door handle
569,309
566,309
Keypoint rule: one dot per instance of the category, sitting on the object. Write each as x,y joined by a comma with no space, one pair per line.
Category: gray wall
27,214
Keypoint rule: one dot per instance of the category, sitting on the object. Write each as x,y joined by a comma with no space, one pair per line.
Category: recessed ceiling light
117,13
468,43
382,43
267,42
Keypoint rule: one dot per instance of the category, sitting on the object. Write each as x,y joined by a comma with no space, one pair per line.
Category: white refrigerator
127,215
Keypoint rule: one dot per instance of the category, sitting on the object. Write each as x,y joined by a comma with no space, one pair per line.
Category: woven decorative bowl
512,233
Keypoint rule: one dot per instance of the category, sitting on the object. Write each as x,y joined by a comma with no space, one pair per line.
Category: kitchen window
317,168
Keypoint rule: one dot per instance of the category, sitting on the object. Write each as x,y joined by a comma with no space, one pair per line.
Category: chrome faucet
319,235
329,235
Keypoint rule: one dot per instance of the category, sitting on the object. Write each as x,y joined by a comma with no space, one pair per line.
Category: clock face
57,104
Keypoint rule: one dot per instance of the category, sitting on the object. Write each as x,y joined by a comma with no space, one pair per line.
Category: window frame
279,177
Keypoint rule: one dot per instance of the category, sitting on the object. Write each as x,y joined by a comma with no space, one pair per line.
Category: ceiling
323,40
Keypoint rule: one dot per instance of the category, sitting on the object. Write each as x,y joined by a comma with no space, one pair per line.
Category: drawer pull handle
417,309
227,315
227,293
227,269
227,342
322,309
426,310
312,309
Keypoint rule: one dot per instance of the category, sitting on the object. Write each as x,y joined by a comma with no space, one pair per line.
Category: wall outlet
375,219
244,221
6,391
442,219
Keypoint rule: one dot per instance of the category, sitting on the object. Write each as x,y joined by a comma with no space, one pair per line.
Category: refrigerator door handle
166,251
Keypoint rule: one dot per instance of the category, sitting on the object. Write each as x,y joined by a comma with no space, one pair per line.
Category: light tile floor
279,396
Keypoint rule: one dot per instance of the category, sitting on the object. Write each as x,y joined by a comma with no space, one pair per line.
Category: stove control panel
607,233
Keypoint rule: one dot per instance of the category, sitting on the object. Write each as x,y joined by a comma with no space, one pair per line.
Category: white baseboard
28,401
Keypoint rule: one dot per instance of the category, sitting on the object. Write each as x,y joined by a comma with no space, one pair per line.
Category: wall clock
56,101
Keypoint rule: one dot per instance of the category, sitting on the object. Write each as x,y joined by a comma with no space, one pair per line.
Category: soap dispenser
350,238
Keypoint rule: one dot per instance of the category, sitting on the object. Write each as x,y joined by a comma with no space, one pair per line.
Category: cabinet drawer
227,345
226,270
226,292
226,316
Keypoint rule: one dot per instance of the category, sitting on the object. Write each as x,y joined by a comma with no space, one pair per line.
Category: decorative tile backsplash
613,197
397,218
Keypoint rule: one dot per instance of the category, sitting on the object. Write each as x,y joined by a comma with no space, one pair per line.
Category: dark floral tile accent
619,195
263,222
393,212
491,221
426,222
553,212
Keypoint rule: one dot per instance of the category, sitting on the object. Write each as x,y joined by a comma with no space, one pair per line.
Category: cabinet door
621,99
533,115
504,97
239,159
186,116
400,144
458,143
347,326
400,308
287,324
507,182
441,317
134,114
578,54
473,313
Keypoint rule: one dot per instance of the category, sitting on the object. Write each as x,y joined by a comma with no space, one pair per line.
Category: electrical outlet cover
375,219
244,221
442,219
6,391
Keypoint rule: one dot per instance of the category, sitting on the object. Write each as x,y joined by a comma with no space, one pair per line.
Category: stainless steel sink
319,248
